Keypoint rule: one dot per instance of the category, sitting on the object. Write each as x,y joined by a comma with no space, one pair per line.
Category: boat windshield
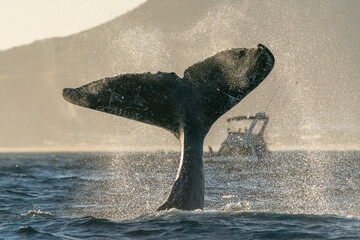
243,126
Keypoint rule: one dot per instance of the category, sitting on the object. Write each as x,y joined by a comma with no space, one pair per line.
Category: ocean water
293,195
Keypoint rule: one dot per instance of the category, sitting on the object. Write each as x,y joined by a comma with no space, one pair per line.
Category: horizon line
162,149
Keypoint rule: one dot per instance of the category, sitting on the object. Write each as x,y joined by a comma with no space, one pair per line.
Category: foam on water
36,213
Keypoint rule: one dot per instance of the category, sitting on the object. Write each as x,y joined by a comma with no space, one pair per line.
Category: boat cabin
245,136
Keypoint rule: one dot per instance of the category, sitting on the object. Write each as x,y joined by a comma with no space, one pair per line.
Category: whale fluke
186,106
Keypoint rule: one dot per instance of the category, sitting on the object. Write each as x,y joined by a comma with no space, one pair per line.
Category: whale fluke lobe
187,107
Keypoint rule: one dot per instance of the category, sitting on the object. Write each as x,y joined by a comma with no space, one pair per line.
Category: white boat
245,140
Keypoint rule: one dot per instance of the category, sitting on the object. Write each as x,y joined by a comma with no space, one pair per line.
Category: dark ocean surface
293,195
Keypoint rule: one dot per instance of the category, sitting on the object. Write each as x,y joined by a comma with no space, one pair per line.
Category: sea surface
292,195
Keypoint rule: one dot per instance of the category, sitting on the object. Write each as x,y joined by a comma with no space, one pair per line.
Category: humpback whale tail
186,106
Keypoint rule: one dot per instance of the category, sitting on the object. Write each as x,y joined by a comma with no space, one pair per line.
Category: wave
6,214
27,230
18,193
92,221
237,211
200,224
229,225
37,213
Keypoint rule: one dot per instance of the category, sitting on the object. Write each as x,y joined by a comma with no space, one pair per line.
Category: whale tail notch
186,106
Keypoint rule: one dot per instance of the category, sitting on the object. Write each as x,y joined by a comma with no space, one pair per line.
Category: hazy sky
24,21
